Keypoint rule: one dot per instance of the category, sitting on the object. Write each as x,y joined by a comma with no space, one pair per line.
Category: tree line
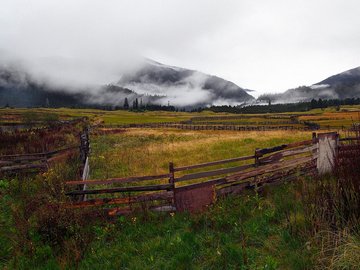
138,105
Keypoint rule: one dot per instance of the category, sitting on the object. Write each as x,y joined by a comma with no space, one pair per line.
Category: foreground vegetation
278,228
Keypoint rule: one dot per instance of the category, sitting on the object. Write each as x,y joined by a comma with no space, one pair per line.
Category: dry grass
337,119
144,152
338,250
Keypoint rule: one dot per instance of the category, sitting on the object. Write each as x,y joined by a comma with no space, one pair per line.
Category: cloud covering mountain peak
183,87
154,82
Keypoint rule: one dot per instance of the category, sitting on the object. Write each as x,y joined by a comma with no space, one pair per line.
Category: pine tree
136,104
126,104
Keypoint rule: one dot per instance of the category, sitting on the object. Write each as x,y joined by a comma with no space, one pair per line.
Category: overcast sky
268,46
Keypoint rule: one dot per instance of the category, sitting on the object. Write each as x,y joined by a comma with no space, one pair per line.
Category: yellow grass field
144,152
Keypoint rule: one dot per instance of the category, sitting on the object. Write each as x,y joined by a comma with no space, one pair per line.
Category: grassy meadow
149,151
18,115
292,226
346,116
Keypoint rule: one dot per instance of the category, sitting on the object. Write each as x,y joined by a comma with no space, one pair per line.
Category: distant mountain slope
340,86
18,89
153,83
348,78
184,87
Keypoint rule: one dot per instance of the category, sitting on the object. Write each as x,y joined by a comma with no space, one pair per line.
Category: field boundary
301,126
41,161
193,187
223,126
35,162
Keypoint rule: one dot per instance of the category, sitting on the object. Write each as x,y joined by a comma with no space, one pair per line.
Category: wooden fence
232,126
37,162
243,116
84,156
193,187
220,126
31,162
25,127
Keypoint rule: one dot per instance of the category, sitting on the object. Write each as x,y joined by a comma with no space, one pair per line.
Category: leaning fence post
327,147
315,151
257,155
172,179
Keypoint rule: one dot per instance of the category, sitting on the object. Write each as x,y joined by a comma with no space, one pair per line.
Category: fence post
327,147
84,154
257,156
171,172
257,163
172,181
314,137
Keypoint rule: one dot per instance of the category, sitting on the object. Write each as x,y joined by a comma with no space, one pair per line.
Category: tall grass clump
38,230
332,207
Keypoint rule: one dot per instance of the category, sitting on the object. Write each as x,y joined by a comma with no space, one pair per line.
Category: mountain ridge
160,84
154,83
339,86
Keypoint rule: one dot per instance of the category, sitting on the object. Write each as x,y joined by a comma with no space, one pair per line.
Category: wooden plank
22,167
284,165
287,153
280,180
201,165
191,186
289,177
119,180
236,188
39,154
232,189
350,139
22,159
213,173
167,195
282,147
121,189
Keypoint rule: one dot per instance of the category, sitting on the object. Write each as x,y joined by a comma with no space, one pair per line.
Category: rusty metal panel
194,198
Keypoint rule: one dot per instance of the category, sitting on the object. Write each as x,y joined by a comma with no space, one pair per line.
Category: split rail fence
38,162
192,188
30,162
233,126
219,126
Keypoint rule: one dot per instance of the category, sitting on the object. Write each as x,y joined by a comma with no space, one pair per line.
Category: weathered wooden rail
219,126
230,126
242,116
193,187
34,162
